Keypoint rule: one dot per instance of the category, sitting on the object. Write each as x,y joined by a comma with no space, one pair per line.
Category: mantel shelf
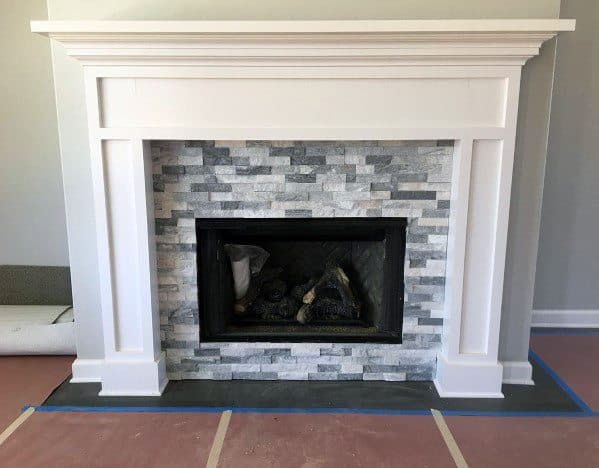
344,43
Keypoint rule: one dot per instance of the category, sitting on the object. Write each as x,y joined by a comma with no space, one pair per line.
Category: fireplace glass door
325,279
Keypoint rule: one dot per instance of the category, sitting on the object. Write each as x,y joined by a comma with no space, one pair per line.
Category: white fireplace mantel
302,80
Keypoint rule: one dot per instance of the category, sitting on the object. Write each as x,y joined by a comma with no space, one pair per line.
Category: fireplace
380,81
324,280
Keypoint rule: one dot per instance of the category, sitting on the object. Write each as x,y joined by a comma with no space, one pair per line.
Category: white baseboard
517,372
87,370
465,379
565,318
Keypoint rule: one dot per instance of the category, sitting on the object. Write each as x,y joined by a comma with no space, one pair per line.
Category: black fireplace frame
212,290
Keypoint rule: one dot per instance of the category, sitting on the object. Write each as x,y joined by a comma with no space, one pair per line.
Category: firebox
320,279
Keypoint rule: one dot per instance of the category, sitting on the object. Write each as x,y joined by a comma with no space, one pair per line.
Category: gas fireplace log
242,306
298,291
325,308
334,278
305,314
274,290
317,304
272,304
285,308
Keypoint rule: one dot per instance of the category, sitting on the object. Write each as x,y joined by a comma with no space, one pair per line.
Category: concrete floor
173,438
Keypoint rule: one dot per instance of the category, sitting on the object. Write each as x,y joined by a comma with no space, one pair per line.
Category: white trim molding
565,318
86,370
517,372
303,80
304,43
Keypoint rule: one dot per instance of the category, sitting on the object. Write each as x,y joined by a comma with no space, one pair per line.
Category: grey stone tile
277,352
427,254
217,159
253,170
322,376
173,169
292,151
217,187
207,352
329,367
199,170
255,376
298,213
413,195
303,159
300,178
435,213
382,186
430,321
327,150
433,280
355,376
408,177
230,205
292,196
376,368
378,159
240,161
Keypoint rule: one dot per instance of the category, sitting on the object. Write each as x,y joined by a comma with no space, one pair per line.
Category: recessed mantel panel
302,103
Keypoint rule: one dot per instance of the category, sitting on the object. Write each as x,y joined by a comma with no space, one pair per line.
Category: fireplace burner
324,279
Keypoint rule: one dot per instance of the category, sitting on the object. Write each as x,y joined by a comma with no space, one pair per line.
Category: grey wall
300,9
73,133
525,208
32,212
568,257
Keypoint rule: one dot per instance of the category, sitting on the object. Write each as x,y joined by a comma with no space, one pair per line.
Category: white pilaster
468,365
123,198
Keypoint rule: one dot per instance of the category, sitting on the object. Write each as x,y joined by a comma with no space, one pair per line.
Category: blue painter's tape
563,385
389,412
383,412
202,409
129,409
521,414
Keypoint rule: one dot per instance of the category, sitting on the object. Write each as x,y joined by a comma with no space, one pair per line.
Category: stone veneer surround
201,179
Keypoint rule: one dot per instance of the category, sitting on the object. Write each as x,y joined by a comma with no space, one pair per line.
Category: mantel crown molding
399,42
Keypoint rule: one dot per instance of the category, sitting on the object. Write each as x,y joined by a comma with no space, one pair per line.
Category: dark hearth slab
545,397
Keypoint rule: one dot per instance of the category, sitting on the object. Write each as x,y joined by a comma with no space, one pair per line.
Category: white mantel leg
134,363
468,365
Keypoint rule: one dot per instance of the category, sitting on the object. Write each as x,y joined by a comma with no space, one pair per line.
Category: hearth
324,280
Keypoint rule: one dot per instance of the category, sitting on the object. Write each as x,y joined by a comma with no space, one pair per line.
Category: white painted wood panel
414,102
480,246
119,174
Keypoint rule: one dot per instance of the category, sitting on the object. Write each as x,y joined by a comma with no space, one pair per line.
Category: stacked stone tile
249,179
